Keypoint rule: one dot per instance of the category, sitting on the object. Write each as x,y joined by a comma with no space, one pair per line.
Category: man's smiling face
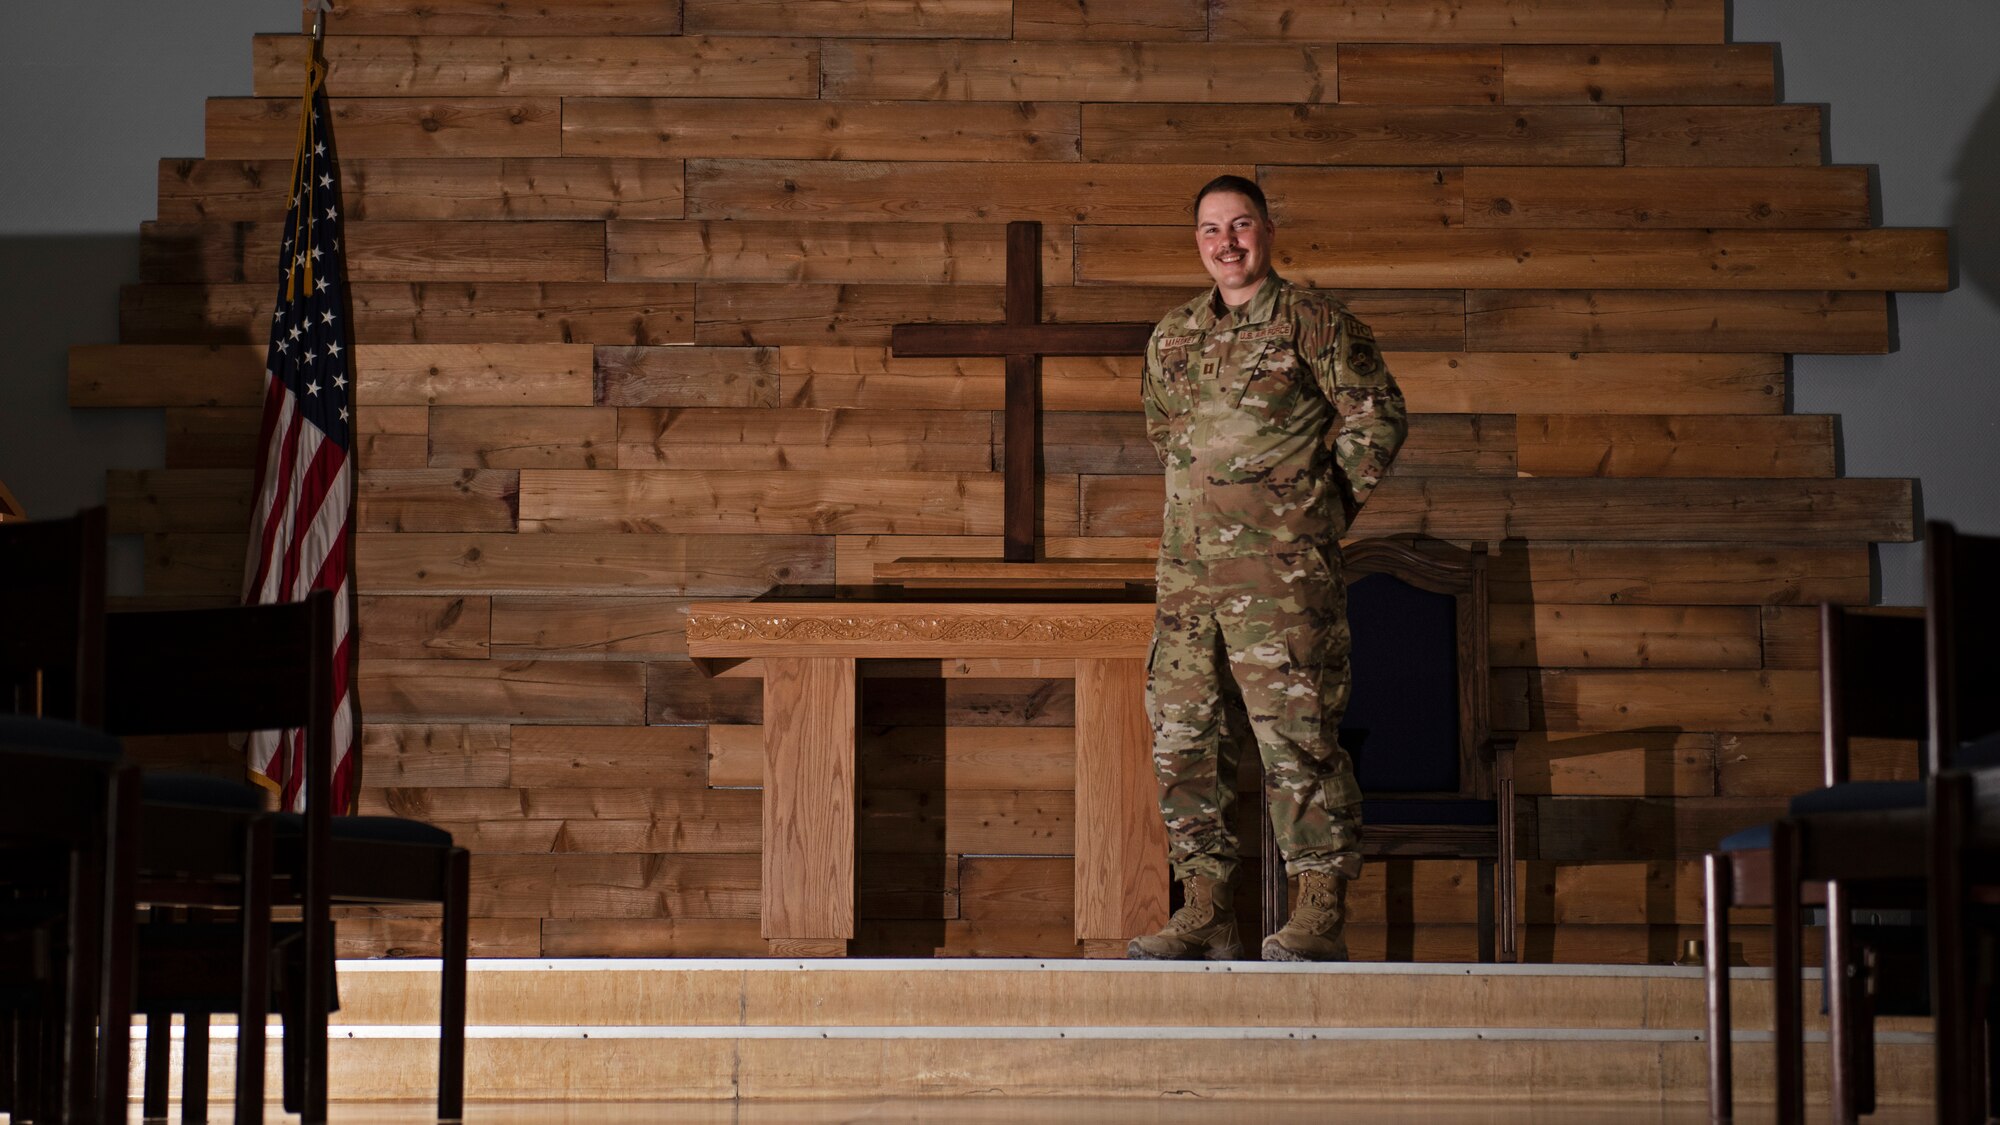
1235,244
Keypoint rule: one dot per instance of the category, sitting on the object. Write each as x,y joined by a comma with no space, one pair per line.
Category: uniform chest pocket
1271,378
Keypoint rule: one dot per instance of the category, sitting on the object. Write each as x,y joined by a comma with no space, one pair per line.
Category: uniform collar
1259,309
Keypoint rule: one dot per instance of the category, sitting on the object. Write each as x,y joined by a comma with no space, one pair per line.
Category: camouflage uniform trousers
1275,624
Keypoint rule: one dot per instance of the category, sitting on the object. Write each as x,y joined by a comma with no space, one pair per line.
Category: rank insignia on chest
1208,368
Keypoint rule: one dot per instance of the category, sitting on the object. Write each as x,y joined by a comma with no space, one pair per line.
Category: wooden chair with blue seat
191,838
1436,782
1850,844
69,806
272,667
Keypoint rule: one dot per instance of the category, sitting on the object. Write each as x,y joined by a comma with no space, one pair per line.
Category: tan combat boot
1204,928
1316,930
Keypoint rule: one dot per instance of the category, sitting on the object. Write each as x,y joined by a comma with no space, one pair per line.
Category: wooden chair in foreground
69,809
1436,783
1964,691
1851,843
271,667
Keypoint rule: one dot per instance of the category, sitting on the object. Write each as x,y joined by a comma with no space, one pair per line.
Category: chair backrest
238,668
52,617
1871,682
1961,612
1417,719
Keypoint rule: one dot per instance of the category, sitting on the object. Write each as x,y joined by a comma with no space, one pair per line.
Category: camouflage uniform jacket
1274,421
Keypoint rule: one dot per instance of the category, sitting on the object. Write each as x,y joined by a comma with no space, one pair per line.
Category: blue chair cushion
1441,812
380,829
1979,754
1401,724
1860,796
54,736
199,790
1755,838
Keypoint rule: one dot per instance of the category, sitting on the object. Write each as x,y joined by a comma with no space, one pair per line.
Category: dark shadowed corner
57,290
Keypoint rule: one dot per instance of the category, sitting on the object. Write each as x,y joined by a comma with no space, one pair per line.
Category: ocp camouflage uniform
1274,423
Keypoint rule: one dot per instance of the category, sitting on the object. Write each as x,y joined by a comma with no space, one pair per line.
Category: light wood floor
1049,1111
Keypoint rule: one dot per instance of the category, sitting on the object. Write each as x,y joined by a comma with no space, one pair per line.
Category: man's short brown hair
1239,186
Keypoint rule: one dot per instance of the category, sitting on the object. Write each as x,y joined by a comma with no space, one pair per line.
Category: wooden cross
1024,340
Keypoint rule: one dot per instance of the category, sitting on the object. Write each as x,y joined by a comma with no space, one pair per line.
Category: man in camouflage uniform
1275,416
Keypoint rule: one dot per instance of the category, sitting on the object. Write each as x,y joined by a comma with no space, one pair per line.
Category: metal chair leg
1838,979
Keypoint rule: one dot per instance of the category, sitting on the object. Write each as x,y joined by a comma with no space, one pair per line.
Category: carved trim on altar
711,627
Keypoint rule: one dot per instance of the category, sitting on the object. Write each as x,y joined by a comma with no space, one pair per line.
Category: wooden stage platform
774,1031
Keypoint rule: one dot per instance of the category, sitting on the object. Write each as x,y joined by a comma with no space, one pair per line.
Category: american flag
301,522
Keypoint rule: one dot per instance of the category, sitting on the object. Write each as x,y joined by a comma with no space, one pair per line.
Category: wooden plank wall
623,276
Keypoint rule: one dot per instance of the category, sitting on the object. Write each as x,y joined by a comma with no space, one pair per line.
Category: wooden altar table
809,650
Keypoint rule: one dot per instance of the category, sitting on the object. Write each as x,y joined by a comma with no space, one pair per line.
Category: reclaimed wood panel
1791,636
1616,764
440,66
517,437
948,758
1329,257
1821,323
1619,636
382,251
1146,133
1675,574
915,19
225,437
873,379
1609,829
685,377
1675,699
584,885
627,818
1367,198
1572,383
763,314
745,502
1783,765
1117,20
1402,74
492,691
652,937
386,377
1652,445
974,822
1830,511
819,130
180,500
389,437
969,70
666,566
863,440
1710,136
945,191
1771,198
551,757
1473,21
933,253
268,128
436,755
197,565
424,312
437,500
423,937
421,628
634,626
678,692
415,188
498,17
857,556
1726,74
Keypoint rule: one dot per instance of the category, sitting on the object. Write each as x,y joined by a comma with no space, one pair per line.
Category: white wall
96,92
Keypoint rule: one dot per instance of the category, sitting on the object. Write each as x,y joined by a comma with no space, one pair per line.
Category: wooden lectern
809,651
